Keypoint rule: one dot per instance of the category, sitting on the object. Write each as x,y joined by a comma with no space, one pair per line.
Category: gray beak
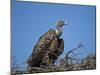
65,23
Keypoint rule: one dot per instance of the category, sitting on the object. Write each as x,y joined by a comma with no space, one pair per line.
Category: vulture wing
57,48
41,48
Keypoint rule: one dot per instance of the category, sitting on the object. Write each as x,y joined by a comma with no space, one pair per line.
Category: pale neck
58,31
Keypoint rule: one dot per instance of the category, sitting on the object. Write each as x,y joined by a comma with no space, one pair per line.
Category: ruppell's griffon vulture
48,48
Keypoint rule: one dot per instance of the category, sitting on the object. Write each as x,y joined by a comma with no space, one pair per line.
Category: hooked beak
65,23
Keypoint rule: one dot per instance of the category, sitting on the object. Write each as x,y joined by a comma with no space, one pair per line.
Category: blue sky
30,20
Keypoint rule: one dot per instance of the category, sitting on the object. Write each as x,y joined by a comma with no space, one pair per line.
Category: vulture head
61,23
59,26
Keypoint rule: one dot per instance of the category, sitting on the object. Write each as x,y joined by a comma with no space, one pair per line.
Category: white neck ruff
58,31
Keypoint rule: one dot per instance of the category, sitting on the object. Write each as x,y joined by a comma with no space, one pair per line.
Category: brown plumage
48,48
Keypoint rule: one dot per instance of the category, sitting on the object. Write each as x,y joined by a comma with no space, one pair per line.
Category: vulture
48,48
